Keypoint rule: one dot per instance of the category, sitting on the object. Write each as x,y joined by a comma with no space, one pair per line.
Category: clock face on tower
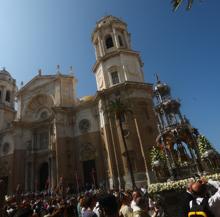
84,125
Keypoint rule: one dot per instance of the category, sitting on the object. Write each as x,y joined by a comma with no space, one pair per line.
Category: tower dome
107,20
109,35
4,74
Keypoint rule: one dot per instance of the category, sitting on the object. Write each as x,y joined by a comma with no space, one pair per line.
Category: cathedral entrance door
43,176
90,176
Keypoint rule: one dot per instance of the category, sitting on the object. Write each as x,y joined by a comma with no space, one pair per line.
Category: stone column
147,169
126,39
97,53
113,181
100,46
115,38
3,94
119,172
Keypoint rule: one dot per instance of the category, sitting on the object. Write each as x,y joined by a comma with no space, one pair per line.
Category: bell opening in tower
109,42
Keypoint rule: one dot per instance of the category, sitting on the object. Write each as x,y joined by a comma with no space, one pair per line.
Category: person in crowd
73,205
69,210
200,202
101,203
140,208
108,206
96,209
135,195
2,199
89,204
125,209
156,207
79,206
49,211
214,200
186,197
210,204
24,212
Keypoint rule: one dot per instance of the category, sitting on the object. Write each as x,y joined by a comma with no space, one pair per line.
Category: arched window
114,77
120,41
8,96
109,42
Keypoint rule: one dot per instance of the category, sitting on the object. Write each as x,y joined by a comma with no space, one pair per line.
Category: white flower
176,185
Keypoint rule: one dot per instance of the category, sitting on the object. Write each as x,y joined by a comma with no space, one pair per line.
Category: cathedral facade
53,137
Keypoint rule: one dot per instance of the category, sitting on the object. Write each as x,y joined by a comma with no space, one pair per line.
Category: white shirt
83,210
214,200
96,209
125,211
133,204
136,208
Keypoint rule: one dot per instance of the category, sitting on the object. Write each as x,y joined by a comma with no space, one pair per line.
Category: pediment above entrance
36,83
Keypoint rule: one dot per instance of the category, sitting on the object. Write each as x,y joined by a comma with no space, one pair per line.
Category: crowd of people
202,198
91,203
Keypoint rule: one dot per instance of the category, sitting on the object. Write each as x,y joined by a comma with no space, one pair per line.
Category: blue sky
183,47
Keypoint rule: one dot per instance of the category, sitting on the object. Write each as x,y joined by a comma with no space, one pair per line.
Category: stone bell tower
126,139
7,115
116,62
7,94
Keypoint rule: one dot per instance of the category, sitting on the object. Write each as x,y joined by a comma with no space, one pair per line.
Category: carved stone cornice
124,87
106,22
86,104
69,110
7,107
33,124
116,53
